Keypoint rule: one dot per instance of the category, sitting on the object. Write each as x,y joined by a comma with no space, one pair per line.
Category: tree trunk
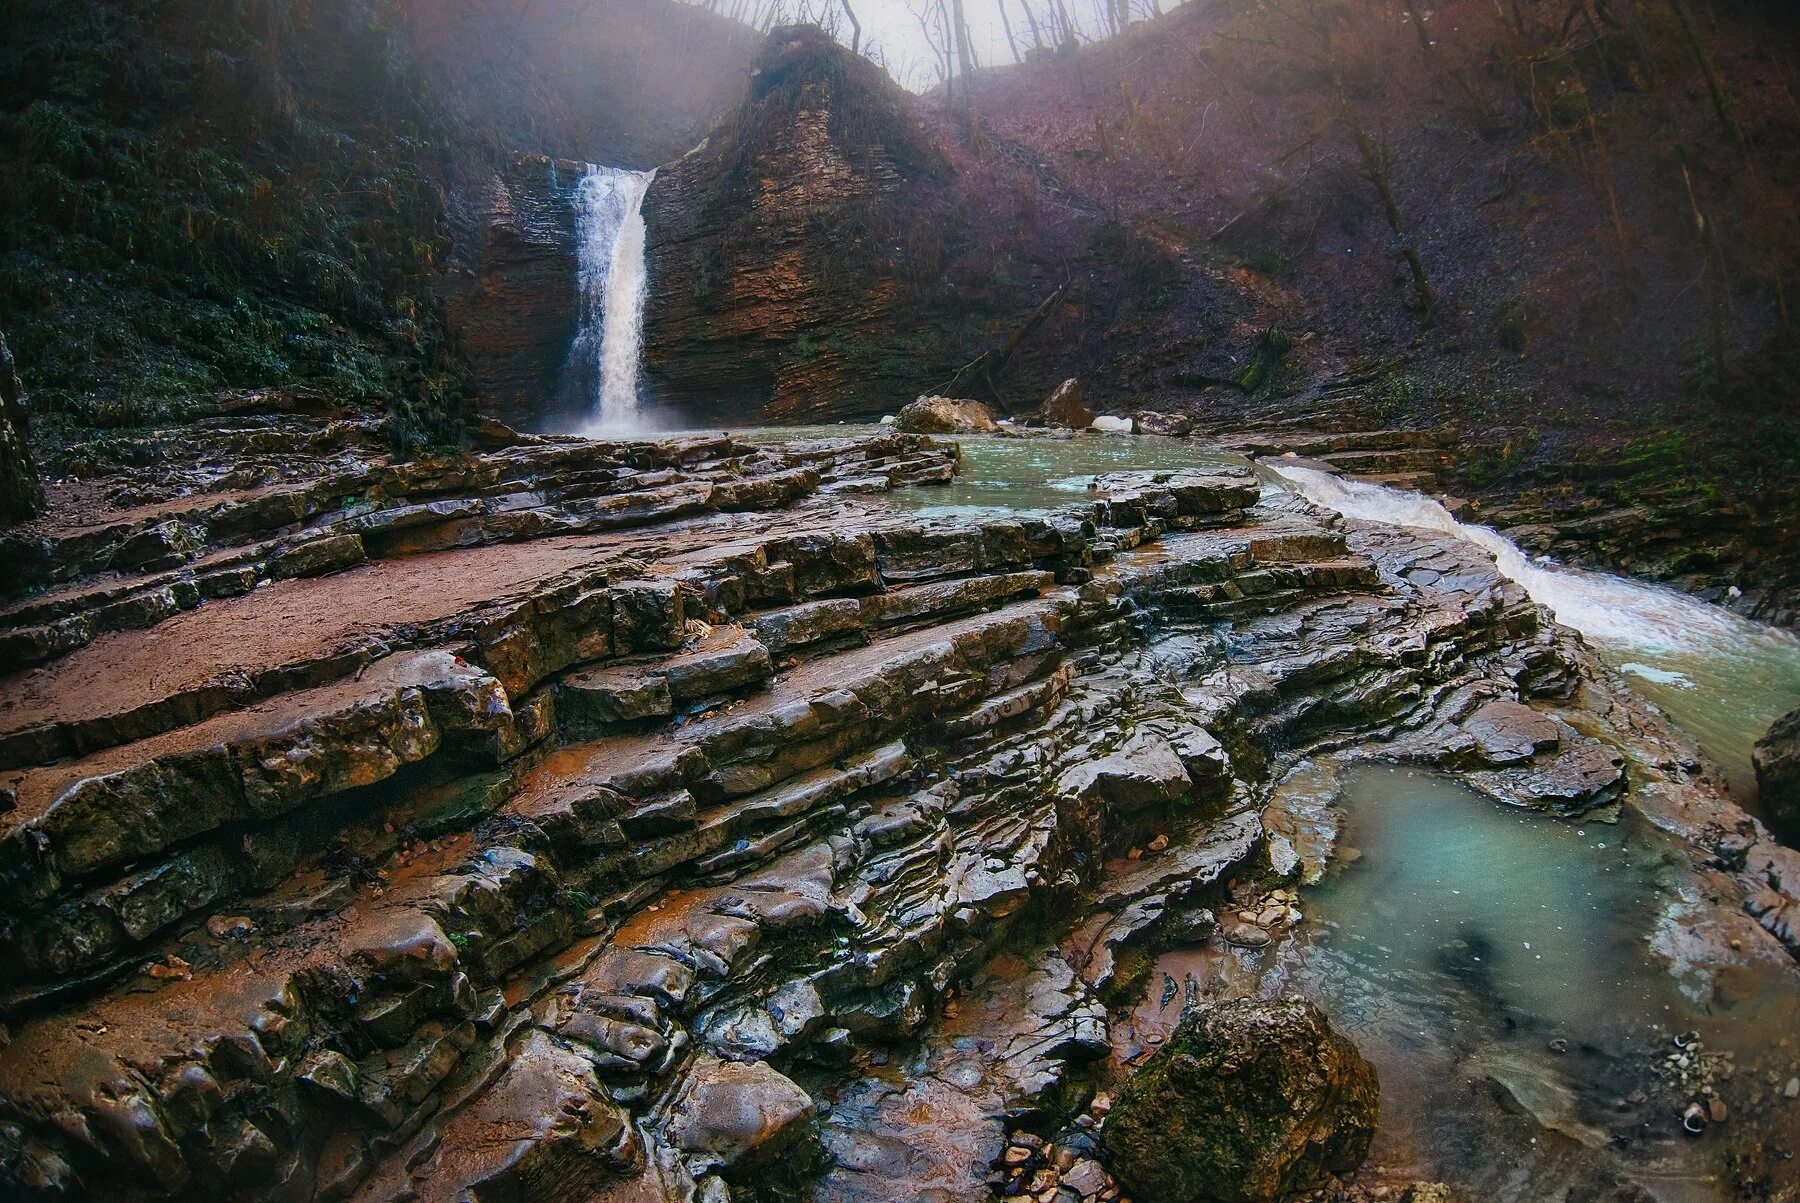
1012,43
1375,164
1715,85
855,28
965,54
1717,288
1037,36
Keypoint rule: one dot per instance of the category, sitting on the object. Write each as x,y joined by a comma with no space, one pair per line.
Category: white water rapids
608,344
1723,677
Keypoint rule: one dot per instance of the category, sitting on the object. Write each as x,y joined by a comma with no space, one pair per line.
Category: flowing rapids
608,345
1720,676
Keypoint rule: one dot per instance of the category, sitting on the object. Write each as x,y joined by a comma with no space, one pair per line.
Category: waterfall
1722,676
608,344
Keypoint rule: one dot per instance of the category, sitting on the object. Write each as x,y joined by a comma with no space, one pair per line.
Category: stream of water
1719,676
1494,963
608,346
1501,969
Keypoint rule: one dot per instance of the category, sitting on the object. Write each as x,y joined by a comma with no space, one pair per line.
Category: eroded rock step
1401,459
136,567
611,905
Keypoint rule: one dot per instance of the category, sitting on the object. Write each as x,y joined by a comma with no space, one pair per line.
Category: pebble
1247,935
1792,1089
1157,844
1086,1178
231,927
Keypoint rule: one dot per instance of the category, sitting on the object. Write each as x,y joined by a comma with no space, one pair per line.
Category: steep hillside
1573,238
200,197
1571,231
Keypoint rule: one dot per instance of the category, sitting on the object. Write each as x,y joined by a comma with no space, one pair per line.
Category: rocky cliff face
784,254
514,305
21,492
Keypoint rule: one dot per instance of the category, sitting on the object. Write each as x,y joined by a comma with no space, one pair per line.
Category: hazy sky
893,26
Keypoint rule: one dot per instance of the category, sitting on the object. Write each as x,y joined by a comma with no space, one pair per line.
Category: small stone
1158,844
1715,1109
1559,1045
1085,1177
1247,935
1016,1155
230,927
1792,1089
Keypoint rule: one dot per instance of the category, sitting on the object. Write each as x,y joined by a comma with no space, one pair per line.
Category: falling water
608,341
1721,676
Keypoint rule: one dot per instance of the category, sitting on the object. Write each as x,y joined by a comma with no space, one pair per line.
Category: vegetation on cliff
197,197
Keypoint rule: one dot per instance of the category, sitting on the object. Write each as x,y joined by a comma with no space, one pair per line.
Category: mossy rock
1249,1100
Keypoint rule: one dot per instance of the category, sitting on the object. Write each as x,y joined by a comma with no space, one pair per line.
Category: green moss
1272,347
197,197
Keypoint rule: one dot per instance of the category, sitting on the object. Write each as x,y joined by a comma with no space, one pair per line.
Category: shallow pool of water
1494,962
1029,474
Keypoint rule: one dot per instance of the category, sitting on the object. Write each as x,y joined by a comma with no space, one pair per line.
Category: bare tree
855,28
965,52
1037,36
1012,43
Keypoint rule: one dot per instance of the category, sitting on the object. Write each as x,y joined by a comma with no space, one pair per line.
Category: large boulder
1068,407
1248,1101
734,1116
1777,761
1144,771
1177,426
945,415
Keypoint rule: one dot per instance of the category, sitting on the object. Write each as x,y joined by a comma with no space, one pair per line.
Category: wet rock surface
945,415
1067,406
672,820
1248,1101
1777,763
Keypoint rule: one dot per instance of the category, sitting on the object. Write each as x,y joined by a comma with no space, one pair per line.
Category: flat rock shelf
708,818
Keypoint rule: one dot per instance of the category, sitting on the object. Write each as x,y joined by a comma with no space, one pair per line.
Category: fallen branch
982,371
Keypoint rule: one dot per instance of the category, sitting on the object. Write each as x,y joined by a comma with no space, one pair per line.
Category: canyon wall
782,262
515,306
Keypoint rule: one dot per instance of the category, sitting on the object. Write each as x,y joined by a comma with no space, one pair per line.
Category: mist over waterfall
608,346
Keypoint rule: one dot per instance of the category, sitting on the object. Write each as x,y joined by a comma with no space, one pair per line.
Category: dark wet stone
1777,761
1248,1101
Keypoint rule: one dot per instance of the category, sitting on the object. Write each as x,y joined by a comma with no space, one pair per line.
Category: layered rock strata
678,820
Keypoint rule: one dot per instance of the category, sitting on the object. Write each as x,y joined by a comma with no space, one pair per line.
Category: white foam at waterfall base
1721,676
608,344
